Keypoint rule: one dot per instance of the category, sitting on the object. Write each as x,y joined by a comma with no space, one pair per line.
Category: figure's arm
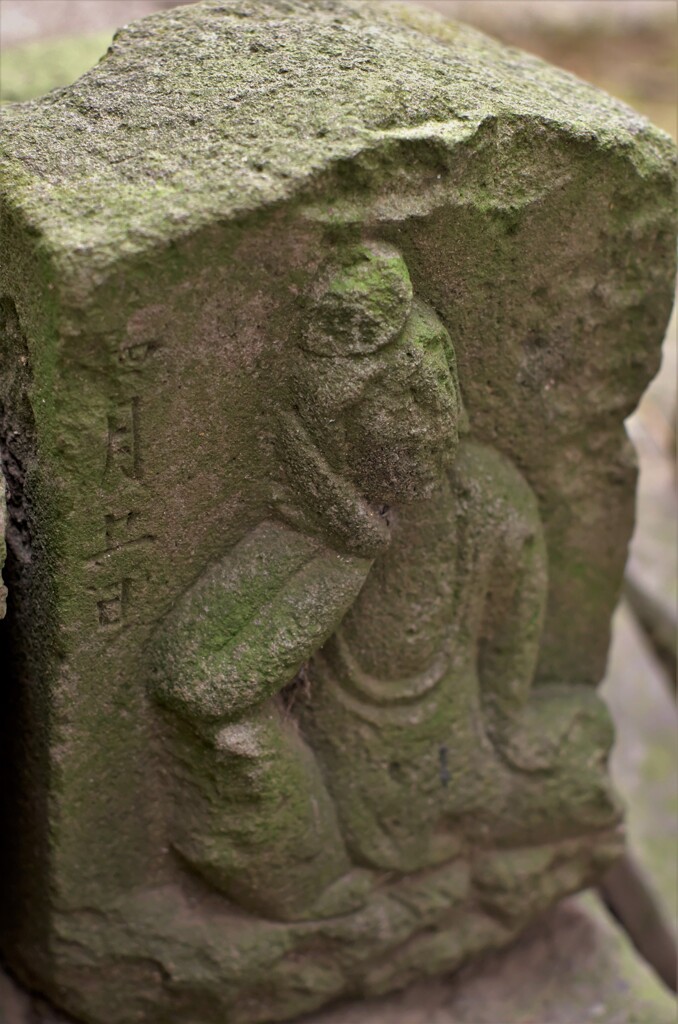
241,633
502,507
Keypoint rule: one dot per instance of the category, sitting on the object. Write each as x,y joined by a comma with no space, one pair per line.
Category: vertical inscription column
122,522
123,453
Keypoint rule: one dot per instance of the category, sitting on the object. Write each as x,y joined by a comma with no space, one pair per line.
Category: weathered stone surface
573,966
321,323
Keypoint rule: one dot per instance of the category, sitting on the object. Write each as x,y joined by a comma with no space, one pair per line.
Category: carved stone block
320,321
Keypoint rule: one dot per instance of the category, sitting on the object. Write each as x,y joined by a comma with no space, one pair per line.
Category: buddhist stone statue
320,322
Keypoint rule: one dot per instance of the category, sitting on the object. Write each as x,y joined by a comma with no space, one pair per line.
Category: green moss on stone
166,221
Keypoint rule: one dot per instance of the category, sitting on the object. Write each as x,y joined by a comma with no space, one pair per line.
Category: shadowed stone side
3,553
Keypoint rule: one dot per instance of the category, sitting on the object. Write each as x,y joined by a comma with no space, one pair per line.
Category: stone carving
404,585
319,496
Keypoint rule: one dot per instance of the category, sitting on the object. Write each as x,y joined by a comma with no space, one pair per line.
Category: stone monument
320,322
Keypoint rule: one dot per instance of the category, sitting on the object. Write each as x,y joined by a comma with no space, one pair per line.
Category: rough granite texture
572,966
321,321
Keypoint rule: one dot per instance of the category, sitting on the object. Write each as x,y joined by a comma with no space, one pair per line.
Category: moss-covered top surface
207,111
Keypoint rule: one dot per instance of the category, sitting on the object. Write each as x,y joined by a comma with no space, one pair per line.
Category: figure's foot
513,884
348,894
554,771
554,724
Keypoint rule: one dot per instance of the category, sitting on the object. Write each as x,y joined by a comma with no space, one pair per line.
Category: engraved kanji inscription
120,529
134,354
123,454
112,607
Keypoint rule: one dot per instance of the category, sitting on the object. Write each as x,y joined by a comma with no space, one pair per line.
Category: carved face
377,383
404,429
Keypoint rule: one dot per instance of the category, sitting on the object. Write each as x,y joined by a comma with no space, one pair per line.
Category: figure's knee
257,823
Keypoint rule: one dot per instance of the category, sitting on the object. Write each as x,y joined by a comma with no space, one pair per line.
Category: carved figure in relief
348,692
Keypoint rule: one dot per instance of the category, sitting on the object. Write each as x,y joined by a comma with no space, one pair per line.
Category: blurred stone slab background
24,20
575,966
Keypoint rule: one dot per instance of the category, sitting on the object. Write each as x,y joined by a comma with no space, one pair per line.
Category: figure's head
376,385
